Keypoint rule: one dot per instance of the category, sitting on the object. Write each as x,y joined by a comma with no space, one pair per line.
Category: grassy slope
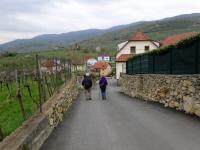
10,114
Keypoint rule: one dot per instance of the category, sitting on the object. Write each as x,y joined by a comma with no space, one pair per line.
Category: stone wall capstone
181,92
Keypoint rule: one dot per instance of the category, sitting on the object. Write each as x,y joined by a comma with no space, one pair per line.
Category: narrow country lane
124,123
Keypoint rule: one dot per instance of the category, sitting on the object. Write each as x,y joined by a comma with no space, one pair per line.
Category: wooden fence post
43,90
7,85
19,94
39,82
48,87
27,85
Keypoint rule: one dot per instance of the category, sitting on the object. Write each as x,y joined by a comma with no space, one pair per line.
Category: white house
104,57
91,62
137,44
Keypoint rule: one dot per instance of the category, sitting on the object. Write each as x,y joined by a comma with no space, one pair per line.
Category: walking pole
99,93
107,93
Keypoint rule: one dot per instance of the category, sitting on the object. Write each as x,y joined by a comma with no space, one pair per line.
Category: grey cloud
10,23
10,9
12,6
96,1
46,16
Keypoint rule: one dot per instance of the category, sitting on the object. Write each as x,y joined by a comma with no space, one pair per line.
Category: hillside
55,41
157,30
49,41
107,38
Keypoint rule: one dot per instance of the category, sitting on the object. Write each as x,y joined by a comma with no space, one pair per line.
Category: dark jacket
103,83
87,83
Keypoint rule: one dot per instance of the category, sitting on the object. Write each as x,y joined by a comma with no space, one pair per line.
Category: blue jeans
103,93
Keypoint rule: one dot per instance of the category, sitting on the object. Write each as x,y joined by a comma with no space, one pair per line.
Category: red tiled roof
123,57
101,65
78,61
87,57
49,63
172,40
139,36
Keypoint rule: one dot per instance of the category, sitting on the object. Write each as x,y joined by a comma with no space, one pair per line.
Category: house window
146,48
106,58
133,49
100,58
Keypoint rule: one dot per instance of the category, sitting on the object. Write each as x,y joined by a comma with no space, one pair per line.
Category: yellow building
103,68
78,65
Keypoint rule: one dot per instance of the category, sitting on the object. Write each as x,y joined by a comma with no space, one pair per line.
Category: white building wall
119,46
104,58
91,62
120,68
140,47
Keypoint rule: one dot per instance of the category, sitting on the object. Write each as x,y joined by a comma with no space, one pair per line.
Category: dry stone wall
181,92
33,133
55,109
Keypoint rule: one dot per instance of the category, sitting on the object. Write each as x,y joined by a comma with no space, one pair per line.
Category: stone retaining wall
33,133
181,92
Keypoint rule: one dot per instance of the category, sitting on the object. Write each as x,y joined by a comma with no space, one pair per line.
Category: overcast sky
27,18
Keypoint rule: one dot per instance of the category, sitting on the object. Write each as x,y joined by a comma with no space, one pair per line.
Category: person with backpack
87,84
103,84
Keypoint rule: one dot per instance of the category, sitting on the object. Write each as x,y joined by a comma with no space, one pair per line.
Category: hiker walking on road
87,84
103,83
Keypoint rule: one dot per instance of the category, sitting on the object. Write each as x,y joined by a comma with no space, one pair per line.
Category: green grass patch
10,114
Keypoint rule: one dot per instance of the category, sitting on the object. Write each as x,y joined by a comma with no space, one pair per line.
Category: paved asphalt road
124,123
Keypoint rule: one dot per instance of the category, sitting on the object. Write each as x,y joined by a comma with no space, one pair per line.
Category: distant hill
107,38
157,30
49,41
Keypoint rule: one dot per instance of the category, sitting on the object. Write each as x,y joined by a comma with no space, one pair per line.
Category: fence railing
180,59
